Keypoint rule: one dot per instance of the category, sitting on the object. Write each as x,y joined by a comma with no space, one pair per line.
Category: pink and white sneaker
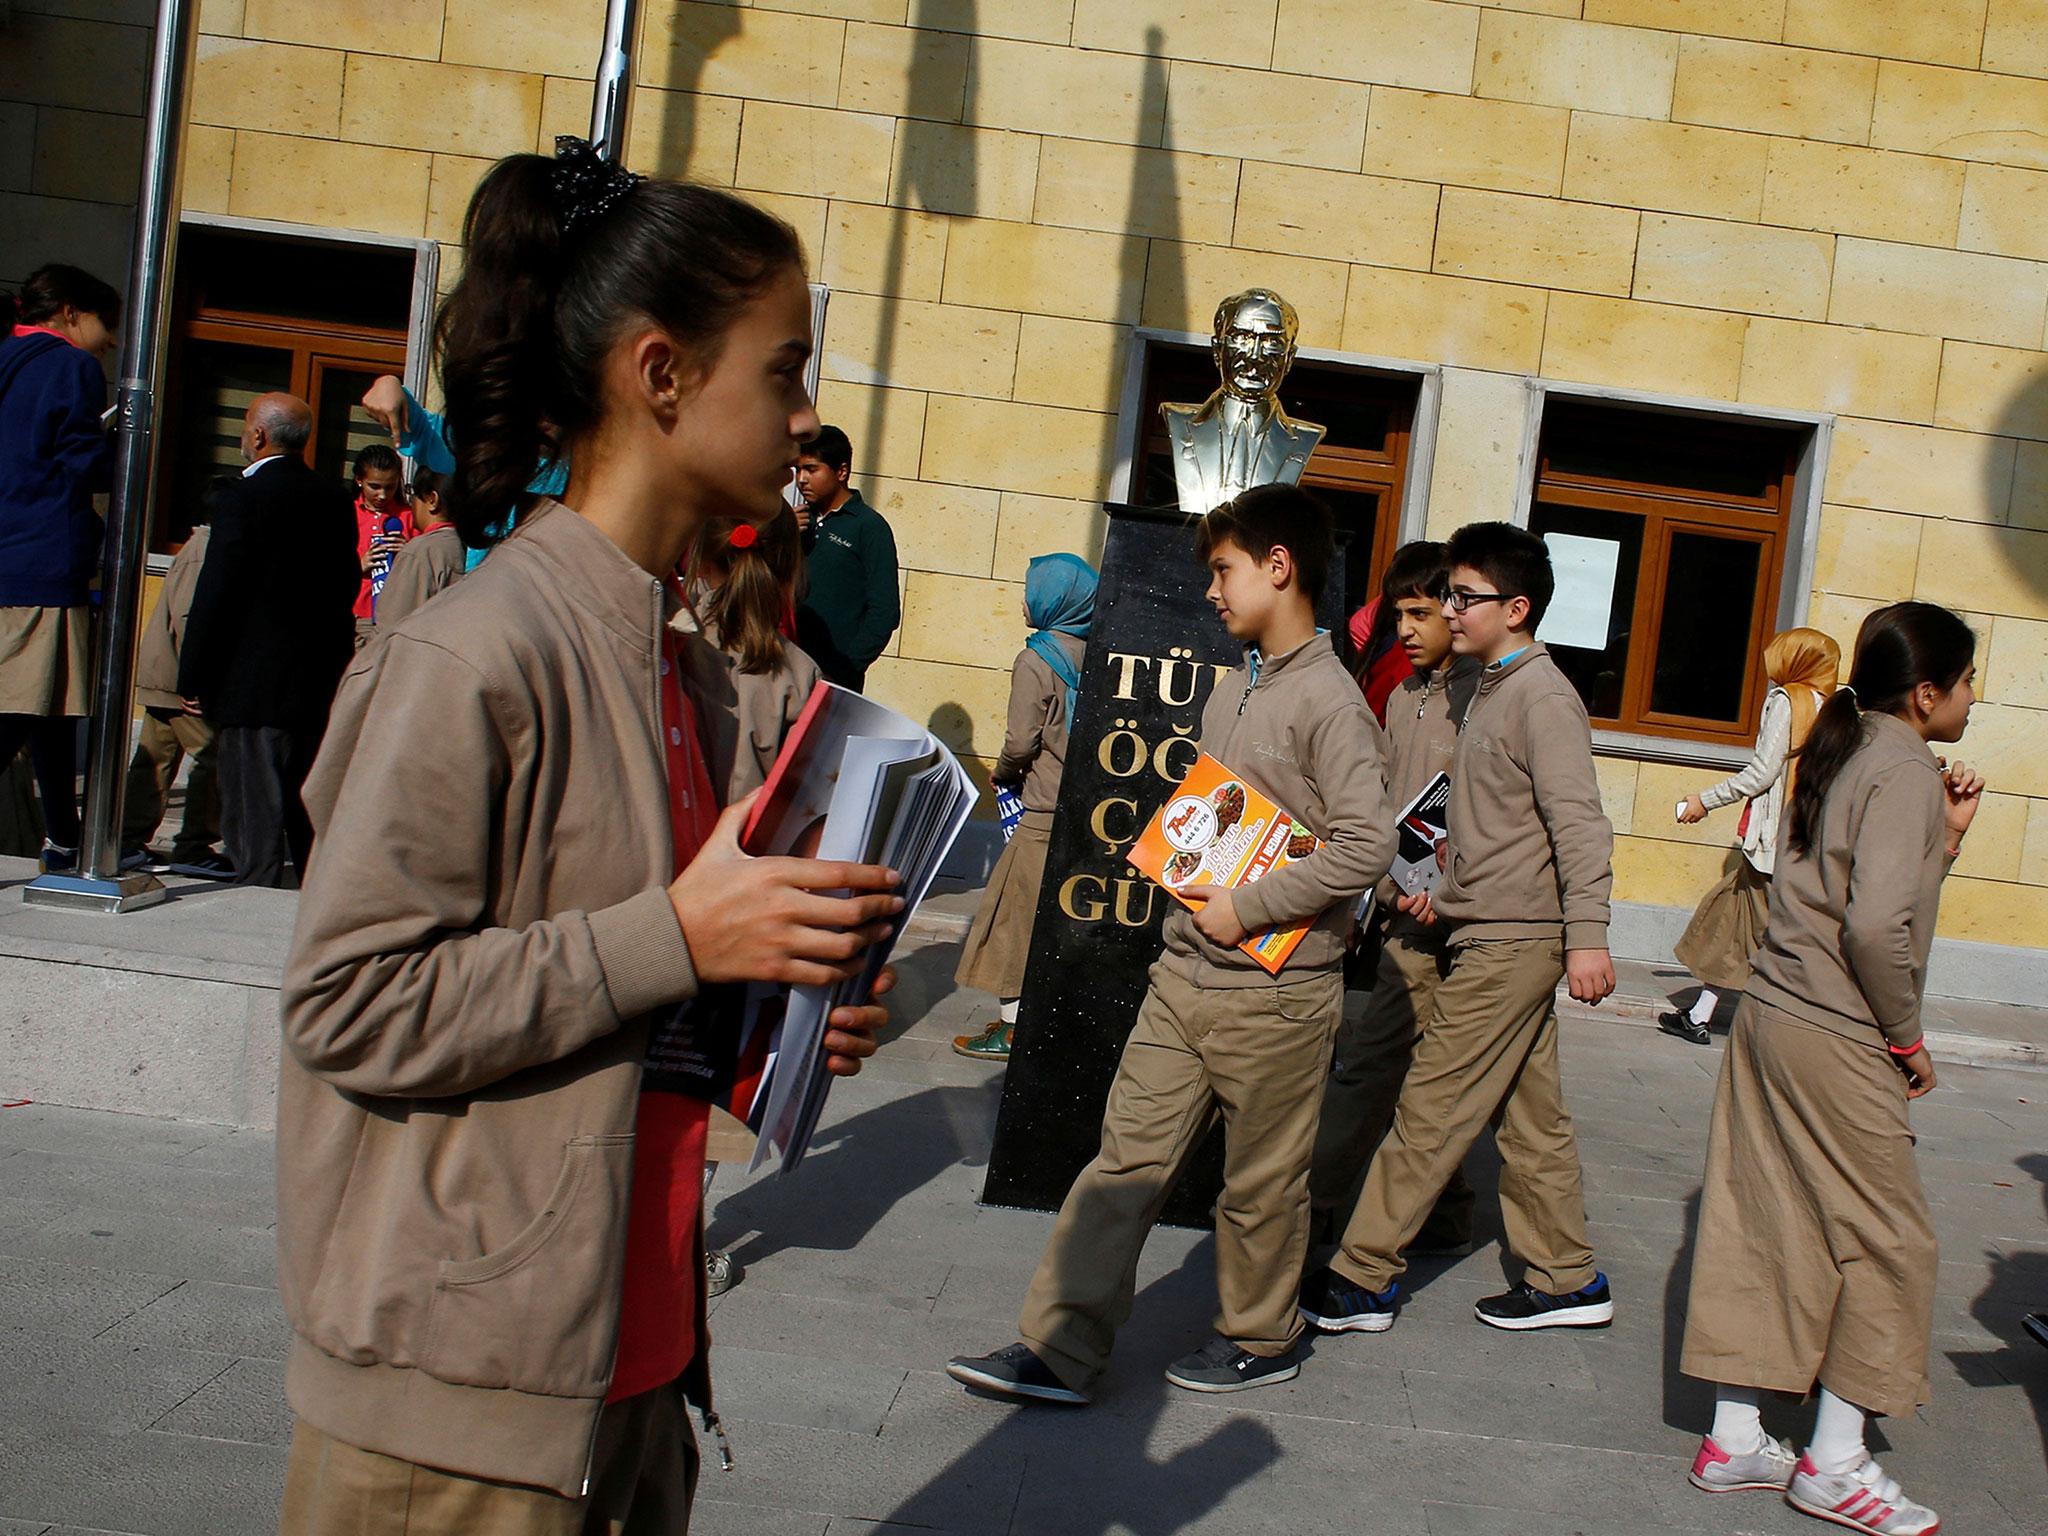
1768,1466
1862,1498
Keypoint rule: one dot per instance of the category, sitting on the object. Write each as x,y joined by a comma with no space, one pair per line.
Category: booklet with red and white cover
858,782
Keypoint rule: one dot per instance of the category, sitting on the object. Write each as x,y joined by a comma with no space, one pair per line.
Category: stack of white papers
856,782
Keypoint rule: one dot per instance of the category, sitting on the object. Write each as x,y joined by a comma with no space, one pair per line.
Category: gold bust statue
1239,437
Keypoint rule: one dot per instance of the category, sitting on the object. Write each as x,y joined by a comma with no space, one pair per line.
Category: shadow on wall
2026,418
981,844
696,33
936,170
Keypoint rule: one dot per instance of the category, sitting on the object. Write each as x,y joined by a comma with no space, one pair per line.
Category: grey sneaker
1862,1498
1768,1466
1012,1371
1220,1366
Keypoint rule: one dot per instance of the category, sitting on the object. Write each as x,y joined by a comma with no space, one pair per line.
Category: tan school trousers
165,740
1373,1052
643,1476
1816,1258
1487,1055
1256,1056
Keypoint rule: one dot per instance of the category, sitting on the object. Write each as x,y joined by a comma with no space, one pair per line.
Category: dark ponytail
523,337
50,289
1897,649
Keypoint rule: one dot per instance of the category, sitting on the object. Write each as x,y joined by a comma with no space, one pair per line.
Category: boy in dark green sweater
852,606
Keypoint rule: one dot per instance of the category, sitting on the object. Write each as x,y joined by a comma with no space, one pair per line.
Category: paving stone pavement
141,1392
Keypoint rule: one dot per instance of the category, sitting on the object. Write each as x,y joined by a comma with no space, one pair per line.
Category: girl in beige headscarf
1803,666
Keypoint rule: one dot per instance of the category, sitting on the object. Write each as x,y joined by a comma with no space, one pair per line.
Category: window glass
1710,598
1665,452
1600,676
215,385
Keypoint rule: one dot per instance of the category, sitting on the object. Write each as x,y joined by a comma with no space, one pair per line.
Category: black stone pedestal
1154,652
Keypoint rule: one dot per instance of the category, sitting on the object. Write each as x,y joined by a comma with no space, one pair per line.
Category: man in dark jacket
270,634
852,606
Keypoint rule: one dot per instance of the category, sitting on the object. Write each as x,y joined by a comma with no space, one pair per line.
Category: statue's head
1254,343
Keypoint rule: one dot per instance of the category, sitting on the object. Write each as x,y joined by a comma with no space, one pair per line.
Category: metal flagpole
611,107
99,886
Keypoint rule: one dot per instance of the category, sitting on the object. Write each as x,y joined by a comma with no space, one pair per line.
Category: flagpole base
84,893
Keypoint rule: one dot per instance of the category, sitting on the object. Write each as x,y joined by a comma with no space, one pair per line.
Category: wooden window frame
1771,520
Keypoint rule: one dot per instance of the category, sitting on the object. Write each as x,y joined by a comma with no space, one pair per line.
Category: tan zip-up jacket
744,715
1035,734
424,567
465,1010
1301,735
1423,716
156,662
1852,921
1531,849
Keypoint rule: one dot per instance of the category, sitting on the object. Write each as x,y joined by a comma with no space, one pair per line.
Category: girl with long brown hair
1815,1263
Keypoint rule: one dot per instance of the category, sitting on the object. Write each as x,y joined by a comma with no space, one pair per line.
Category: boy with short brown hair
1525,898
1216,1035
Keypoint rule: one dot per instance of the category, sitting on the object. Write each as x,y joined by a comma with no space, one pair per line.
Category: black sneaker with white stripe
1220,1366
1336,1305
1015,1372
1525,1307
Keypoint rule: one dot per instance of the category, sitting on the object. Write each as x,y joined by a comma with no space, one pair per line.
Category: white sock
1008,1012
1703,1006
1738,1429
1837,1444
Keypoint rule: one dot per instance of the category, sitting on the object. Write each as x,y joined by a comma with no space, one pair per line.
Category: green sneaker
992,1044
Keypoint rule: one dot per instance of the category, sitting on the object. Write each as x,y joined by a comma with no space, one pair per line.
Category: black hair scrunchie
586,185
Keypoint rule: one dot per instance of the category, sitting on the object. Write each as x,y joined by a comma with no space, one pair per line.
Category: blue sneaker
1525,1307
57,859
1333,1304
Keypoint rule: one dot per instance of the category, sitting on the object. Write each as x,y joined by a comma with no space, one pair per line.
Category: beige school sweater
1531,850
1423,715
1852,920
156,661
1035,735
1300,733
422,568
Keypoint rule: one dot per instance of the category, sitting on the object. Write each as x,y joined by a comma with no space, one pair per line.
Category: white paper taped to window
1582,607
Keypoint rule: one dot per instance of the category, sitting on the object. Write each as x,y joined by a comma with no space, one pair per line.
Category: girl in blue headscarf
1059,603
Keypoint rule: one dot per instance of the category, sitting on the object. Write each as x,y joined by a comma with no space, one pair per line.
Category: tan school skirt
999,944
1815,1260
1726,928
45,661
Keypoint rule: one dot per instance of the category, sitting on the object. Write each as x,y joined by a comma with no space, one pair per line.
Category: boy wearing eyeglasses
1524,901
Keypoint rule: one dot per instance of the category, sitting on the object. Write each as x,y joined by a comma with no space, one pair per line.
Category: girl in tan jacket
1059,605
488,1219
1815,1262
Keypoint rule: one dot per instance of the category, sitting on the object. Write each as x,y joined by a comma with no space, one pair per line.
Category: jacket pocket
540,1313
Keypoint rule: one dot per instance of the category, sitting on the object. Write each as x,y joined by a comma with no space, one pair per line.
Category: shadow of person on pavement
2018,1285
856,1172
1105,1468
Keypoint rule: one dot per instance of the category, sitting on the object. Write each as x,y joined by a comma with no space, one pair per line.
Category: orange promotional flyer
1218,830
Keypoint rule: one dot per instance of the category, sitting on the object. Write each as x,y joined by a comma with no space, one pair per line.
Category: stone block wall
1823,205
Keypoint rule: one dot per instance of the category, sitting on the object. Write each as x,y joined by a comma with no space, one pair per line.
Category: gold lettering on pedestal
1093,909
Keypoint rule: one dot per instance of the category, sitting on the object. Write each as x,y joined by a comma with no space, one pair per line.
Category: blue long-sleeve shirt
425,442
